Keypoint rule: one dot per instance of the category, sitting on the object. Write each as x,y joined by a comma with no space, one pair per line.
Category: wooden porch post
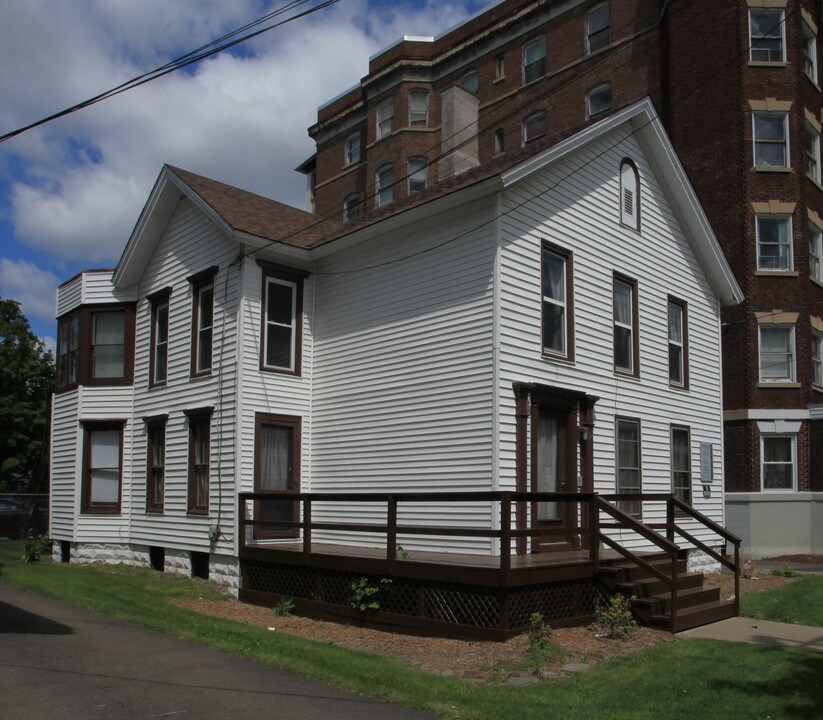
307,525
391,533
505,537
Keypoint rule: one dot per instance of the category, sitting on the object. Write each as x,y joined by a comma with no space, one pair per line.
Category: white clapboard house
287,406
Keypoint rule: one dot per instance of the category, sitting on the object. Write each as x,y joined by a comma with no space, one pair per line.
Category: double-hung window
384,185
159,358
681,463
352,149
598,30
817,358
599,99
778,462
810,52
534,60
627,456
199,460
351,208
202,321
777,357
155,462
812,153
678,347
418,174
626,348
771,139
418,108
102,467
774,243
557,312
815,253
385,118
108,352
68,342
766,36
534,126
281,319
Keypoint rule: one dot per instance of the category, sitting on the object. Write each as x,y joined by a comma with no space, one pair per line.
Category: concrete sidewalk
765,632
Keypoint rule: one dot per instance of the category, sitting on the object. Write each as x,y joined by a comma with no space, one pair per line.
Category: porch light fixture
585,431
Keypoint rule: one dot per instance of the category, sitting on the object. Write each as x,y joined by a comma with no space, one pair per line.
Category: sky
71,190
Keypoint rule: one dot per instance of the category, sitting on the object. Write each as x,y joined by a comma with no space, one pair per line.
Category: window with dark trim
681,463
199,460
557,305
159,353
628,463
281,319
202,322
155,462
626,342
102,467
678,321
276,470
68,343
598,28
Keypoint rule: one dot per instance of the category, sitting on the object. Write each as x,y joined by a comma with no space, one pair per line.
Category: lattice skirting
471,606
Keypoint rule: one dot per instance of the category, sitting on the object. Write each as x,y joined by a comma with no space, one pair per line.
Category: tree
26,380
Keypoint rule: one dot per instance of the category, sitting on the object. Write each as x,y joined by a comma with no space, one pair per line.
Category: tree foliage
26,380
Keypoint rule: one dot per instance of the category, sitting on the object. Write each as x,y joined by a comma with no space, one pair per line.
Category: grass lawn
799,602
685,679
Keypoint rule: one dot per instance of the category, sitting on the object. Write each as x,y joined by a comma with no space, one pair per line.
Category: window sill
778,385
776,273
679,388
201,376
778,490
772,168
197,513
768,63
816,281
565,359
627,375
817,388
532,82
812,81
499,80
154,511
92,512
815,181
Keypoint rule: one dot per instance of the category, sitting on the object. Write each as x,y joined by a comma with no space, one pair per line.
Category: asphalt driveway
60,662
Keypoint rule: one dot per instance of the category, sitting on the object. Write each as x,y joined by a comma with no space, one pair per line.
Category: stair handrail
645,531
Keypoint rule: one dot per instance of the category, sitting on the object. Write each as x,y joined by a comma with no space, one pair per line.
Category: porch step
648,607
615,573
696,616
651,586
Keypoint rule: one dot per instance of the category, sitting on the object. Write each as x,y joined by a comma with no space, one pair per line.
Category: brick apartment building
736,85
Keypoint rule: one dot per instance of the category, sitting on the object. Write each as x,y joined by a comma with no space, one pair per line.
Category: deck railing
598,518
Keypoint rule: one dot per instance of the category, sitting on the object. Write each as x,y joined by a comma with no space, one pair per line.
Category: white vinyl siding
581,215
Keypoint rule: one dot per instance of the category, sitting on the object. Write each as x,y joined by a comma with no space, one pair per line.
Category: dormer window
418,108
629,195
385,118
352,151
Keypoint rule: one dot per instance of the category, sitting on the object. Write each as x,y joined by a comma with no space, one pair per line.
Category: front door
277,463
552,460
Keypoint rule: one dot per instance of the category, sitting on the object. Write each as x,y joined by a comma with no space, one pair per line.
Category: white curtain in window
276,470
105,467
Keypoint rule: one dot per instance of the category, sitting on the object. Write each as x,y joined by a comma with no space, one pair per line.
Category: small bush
284,608
541,647
784,570
616,614
366,595
34,549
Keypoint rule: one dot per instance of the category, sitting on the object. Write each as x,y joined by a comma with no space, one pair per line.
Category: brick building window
774,243
351,208
778,464
812,153
681,463
810,52
352,149
815,253
499,141
470,82
385,118
534,60
384,185
766,40
599,99
777,357
534,126
418,108
418,174
499,68
598,31
817,358
771,139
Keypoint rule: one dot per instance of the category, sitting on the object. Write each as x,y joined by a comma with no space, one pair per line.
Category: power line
212,48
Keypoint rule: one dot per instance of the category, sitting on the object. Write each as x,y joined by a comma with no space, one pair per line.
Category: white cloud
32,287
51,344
241,120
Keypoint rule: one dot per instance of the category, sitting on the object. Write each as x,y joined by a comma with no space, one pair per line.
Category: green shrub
366,595
284,608
41,545
616,614
541,647
784,570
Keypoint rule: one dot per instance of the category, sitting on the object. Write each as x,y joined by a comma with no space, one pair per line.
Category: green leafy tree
26,380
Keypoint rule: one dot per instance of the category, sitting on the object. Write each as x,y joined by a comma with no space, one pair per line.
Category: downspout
239,362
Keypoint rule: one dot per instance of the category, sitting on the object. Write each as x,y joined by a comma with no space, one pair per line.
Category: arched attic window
629,195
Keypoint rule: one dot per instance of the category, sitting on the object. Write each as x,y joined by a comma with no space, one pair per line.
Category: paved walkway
62,663
748,630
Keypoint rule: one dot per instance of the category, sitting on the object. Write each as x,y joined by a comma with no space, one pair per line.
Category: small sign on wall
706,467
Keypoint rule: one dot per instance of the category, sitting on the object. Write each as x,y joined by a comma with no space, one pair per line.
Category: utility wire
212,48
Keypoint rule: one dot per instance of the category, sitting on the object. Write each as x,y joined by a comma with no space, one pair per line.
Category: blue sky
71,190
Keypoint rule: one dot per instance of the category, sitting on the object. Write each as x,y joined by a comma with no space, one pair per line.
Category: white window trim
292,325
424,94
786,141
817,358
814,155
532,116
347,154
789,237
589,33
816,250
562,303
629,220
378,186
793,350
599,87
535,41
793,438
782,26
381,118
682,344
808,33
424,169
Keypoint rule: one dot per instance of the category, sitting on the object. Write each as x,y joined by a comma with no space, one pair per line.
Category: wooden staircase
696,603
